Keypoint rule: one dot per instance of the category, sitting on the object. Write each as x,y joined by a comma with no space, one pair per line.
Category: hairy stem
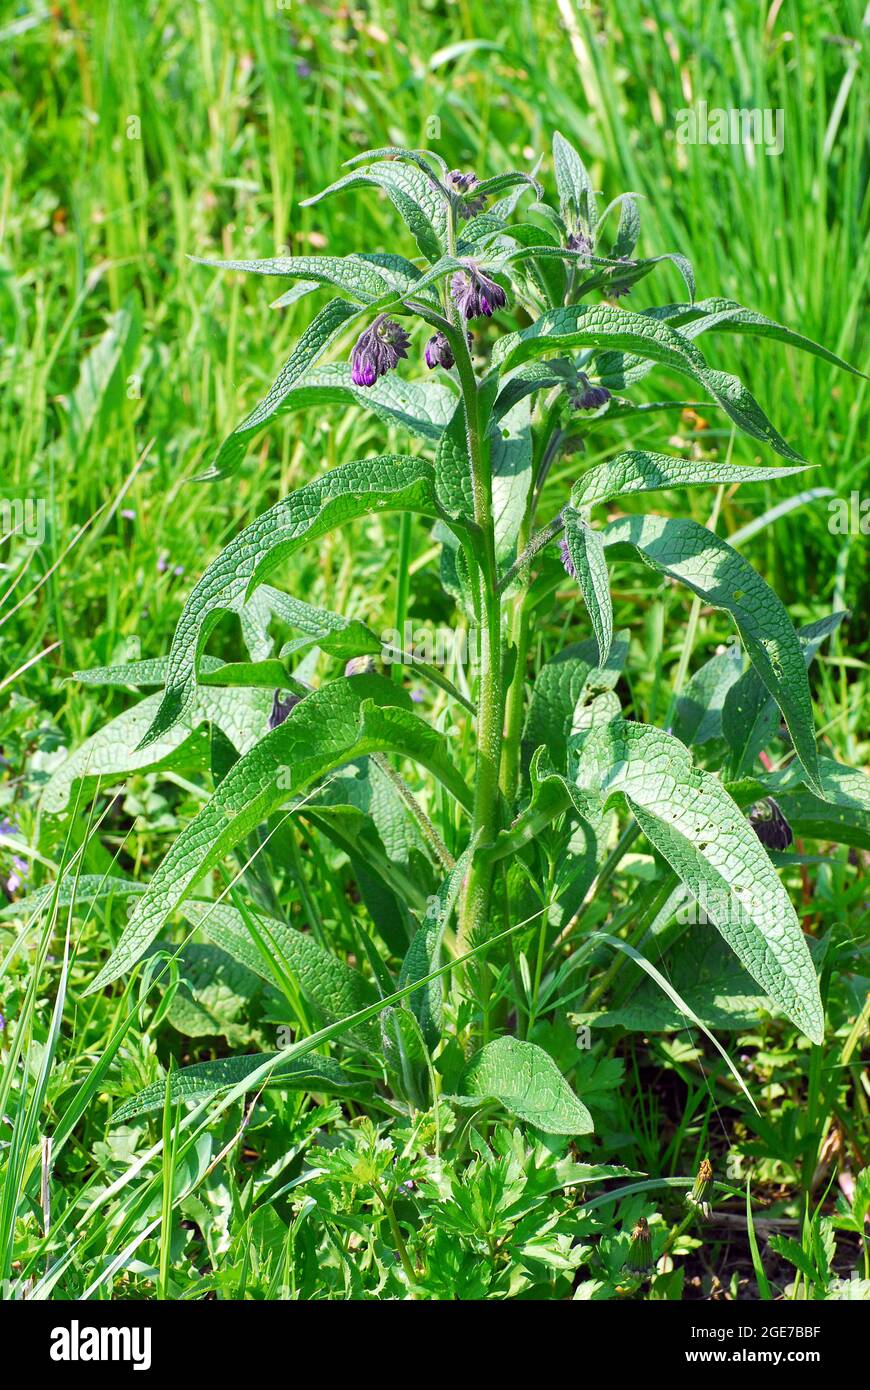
490,702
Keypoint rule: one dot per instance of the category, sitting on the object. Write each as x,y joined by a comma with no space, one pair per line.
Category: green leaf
326,981
349,274
214,997
420,205
586,551
511,461
332,726
207,1079
638,471
731,317
720,576
551,795
562,687
750,718
84,889
423,408
424,954
116,749
699,830
577,198
698,717
600,325
377,485
709,977
526,1081
331,321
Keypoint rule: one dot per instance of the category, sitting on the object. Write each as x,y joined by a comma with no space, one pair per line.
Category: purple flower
438,352
770,825
476,295
579,241
378,350
589,397
128,514
360,666
2,1023
619,290
565,556
281,708
461,184
8,828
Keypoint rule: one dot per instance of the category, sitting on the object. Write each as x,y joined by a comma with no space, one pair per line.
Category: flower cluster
587,396
461,185
475,294
378,350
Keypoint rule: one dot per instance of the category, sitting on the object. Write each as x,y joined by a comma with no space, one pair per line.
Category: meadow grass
137,136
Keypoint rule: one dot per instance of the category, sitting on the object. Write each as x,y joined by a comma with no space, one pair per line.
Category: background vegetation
136,135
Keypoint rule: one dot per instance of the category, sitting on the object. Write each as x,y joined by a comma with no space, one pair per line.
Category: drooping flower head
770,825
589,397
579,240
476,295
281,708
438,352
565,556
378,350
462,184
620,289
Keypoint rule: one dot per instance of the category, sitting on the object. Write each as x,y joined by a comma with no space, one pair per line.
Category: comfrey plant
491,869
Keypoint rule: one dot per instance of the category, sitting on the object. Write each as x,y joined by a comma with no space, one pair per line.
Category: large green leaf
577,197
206,1079
423,408
336,724
526,1081
586,551
116,750
750,718
327,982
720,576
377,485
420,205
695,825
562,688
638,471
349,274
600,325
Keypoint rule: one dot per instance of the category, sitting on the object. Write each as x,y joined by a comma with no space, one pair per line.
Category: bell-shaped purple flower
378,350
770,825
281,708
589,397
565,556
463,184
619,290
438,352
578,240
476,295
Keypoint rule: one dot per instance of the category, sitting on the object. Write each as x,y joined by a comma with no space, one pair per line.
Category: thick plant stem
490,704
